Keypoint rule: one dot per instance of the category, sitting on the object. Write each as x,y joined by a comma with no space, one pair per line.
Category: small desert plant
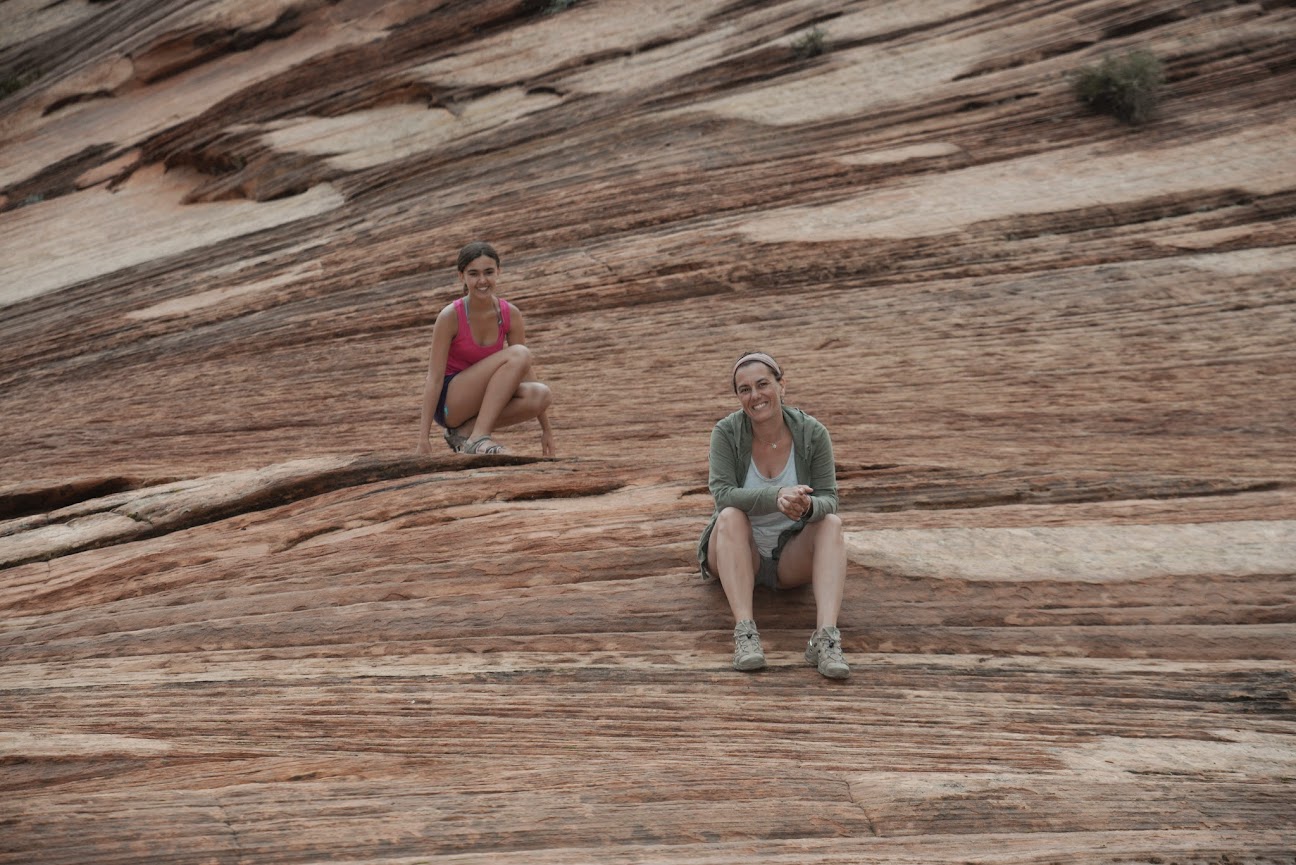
1127,87
15,81
553,7
809,44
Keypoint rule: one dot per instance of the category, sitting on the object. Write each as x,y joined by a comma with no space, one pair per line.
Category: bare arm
447,324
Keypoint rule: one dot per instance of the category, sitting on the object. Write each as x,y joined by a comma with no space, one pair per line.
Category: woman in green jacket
775,523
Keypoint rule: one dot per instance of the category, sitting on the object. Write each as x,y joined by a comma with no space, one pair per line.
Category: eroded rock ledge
240,623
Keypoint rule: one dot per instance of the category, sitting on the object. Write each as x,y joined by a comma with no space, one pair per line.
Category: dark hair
476,250
756,356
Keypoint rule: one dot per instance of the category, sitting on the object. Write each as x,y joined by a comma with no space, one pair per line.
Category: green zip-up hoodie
731,446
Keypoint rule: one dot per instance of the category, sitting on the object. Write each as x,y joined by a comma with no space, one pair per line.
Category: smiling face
759,392
479,275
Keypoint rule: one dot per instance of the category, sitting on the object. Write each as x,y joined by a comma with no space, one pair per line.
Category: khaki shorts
766,573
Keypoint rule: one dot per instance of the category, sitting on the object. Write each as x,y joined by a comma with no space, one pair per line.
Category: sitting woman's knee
733,520
831,524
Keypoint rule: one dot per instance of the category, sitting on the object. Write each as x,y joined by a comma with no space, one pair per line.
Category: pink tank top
464,351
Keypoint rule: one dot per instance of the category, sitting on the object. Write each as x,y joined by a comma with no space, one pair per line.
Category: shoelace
830,648
748,641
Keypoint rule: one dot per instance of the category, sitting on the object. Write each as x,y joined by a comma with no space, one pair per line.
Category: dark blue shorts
439,415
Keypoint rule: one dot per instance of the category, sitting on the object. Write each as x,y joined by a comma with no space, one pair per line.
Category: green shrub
809,44
1127,87
553,7
16,81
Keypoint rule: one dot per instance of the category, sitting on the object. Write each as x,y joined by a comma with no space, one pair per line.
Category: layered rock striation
240,621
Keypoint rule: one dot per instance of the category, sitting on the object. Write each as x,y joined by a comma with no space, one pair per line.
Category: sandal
482,445
455,440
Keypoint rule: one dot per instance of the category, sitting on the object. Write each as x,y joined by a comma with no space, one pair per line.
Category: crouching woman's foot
456,437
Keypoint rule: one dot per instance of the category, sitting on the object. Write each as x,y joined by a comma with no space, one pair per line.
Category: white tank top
766,528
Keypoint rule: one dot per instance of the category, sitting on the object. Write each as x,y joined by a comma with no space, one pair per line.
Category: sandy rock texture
241,622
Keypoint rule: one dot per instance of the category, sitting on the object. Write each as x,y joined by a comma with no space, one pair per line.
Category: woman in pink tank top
478,372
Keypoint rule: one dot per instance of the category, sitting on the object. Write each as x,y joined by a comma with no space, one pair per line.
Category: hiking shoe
825,652
748,654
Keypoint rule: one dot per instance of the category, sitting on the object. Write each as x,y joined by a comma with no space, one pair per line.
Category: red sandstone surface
240,622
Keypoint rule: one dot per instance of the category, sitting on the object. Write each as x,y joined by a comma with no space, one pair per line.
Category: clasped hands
794,502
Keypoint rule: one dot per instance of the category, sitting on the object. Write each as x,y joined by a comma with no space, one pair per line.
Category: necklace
773,444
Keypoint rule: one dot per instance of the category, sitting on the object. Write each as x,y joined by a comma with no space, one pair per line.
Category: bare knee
539,395
517,355
531,399
829,529
732,531
733,522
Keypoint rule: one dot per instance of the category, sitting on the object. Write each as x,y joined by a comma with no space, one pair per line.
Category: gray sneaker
825,652
748,654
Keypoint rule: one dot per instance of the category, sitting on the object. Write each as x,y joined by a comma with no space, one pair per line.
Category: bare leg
732,554
530,400
818,556
492,393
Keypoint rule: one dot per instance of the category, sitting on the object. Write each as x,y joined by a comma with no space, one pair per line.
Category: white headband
756,356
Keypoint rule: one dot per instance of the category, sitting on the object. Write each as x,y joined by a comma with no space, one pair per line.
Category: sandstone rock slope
241,622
